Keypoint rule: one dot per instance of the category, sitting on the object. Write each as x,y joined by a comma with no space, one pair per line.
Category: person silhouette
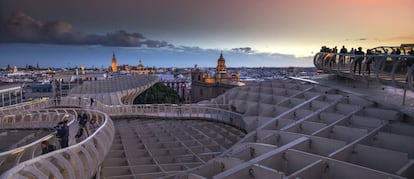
46,147
358,60
63,134
370,58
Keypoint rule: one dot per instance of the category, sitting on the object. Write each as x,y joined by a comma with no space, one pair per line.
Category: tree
158,94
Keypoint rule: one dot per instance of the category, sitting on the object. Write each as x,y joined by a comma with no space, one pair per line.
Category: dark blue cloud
22,28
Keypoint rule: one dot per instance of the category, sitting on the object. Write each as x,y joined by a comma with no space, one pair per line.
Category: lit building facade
114,66
141,70
204,87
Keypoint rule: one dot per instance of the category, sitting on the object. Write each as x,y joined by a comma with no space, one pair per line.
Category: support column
21,95
15,96
10,100
183,87
177,85
2,99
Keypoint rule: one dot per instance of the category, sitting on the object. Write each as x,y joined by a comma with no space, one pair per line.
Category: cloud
20,26
244,50
399,39
25,29
359,39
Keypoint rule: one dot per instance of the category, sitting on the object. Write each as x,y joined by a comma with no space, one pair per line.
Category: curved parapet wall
24,108
79,160
390,69
210,112
116,90
11,158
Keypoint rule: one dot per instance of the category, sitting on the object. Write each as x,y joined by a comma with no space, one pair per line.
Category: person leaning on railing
63,134
83,120
46,147
93,124
370,58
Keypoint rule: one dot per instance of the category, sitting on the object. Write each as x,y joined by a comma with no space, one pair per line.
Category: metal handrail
29,150
101,140
164,110
94,149
387,68
27,105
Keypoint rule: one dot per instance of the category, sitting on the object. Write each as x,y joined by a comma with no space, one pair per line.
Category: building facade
114,67
204,86
141,70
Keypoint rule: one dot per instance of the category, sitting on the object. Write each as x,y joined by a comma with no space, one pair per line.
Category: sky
188,32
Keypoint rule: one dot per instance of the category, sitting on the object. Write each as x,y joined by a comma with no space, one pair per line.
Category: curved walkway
81,159
115,91
395,70
84,151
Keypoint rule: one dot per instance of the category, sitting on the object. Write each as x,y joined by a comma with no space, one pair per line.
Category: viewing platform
387,68
116,90
272,129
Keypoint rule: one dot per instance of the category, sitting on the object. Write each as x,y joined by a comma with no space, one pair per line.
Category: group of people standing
92,101
358,55
62,135
62,132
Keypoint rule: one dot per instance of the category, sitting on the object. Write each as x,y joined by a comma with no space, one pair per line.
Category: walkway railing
83,159
396,70
79,160
11,158
185,111
24,107
211,112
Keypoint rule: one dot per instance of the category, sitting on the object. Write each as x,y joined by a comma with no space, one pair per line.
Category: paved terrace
116,90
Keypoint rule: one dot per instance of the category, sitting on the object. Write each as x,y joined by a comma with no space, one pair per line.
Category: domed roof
140,64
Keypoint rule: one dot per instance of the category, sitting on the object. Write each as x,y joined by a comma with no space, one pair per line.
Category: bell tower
140,66
114,66
221,66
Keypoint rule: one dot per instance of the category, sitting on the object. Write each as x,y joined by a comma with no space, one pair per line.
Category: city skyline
260,33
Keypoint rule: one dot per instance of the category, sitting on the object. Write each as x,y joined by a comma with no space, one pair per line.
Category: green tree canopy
158,94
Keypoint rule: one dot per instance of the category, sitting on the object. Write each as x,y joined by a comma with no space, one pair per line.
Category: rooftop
326,128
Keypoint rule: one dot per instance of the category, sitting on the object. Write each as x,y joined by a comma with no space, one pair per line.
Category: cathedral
205,87
114,67
140,69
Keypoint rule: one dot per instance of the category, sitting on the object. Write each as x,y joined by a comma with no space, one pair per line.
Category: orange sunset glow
295,28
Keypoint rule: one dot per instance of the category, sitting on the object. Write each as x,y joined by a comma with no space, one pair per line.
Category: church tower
140,66
114,66
221,66
83,69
